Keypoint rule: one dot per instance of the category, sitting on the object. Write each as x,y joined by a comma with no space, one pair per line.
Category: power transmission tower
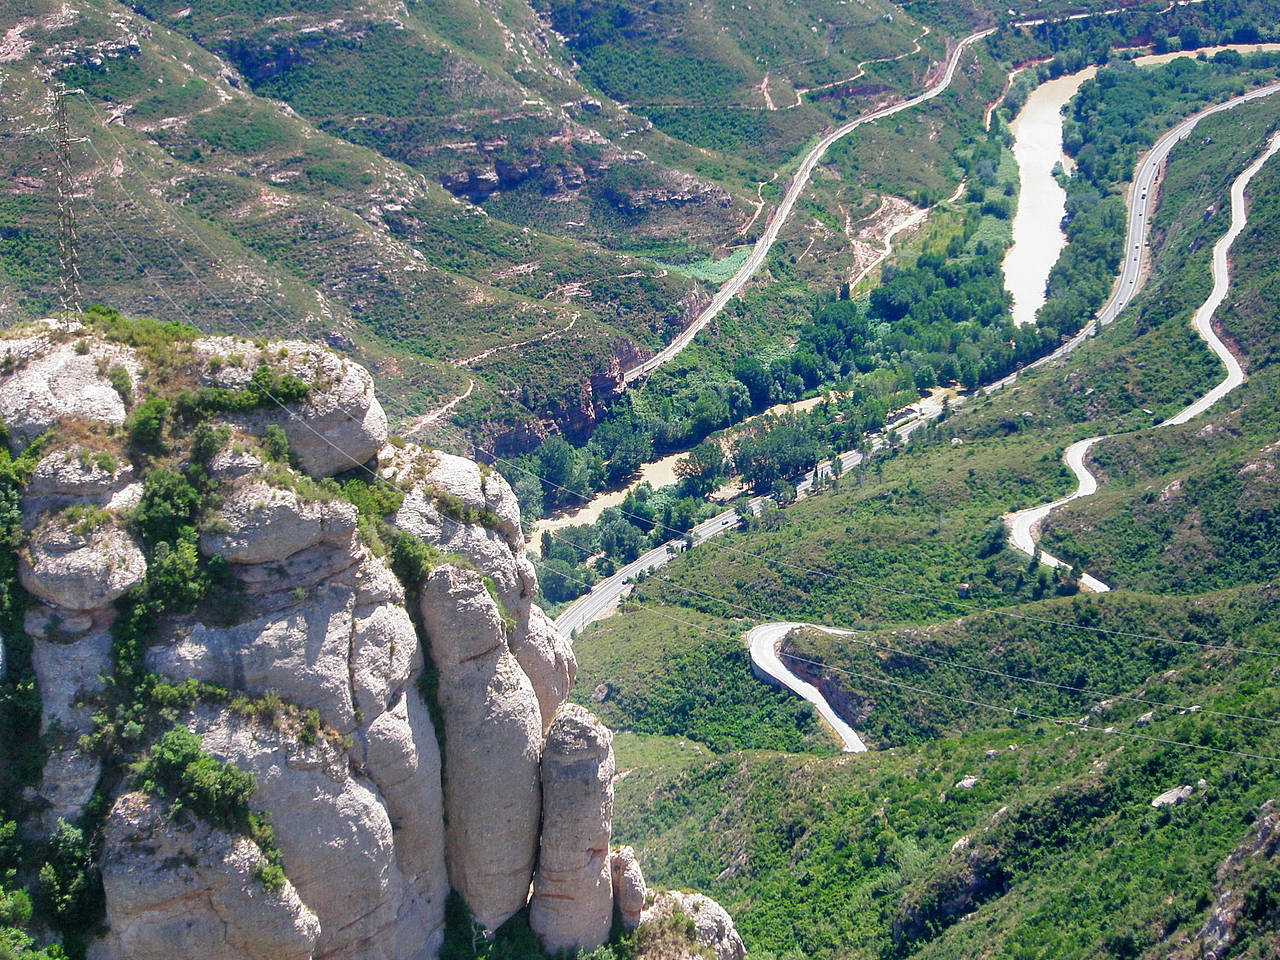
68,259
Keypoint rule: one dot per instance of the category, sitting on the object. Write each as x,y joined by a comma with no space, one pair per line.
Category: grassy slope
1191,508
390,261
834,855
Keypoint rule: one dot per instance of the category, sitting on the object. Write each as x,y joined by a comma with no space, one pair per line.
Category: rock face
81,569
629,890
495,546
334,832
328,699
52,380
546,656
714,926
493,742
179,890
340,425
572,906
264,524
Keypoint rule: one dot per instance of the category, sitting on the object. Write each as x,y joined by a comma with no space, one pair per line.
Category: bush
146,423
191,779
169,503
275,444
68,890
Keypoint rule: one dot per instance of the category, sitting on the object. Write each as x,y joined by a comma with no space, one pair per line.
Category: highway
601,598
1140,196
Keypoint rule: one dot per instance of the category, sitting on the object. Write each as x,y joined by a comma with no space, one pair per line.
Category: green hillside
1071,712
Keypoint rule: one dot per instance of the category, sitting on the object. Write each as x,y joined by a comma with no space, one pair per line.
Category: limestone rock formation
69,672
547,658
493,742
714,926
494,544
179,889
52,380
310,623
340,424
478,488
629,890
80,569
66,478
572,906
264,524
334,831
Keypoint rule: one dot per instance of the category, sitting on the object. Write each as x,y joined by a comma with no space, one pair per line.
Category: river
656,473
1037,146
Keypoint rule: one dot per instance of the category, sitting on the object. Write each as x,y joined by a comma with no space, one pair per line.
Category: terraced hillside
441,188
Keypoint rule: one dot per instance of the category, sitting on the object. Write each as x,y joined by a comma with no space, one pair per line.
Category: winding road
1129,281
762,246
1024,525
763,640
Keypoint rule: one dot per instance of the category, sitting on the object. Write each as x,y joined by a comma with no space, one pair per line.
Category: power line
967,608
924,691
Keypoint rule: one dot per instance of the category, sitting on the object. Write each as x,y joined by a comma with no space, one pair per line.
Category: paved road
1024,524
763,642
1203,319
596,604
1129,281
798,183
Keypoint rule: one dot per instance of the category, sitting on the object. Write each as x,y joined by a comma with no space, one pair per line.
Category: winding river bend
763,640
1024,524
1038,238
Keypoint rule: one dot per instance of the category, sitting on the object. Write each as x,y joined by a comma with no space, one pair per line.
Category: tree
559,581
68,890
618,538
994,536
753,375
556,462
702,466
710,411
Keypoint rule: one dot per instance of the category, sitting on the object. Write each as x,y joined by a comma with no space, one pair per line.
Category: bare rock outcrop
1239,876
265,524
572,906
65,478
496,548
334,832
372,823
51,379
493,743
403,759
341,424
476,487
714,926
76,568
547,658
183,890
629,891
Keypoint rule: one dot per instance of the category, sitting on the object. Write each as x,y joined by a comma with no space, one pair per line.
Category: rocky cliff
219,536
